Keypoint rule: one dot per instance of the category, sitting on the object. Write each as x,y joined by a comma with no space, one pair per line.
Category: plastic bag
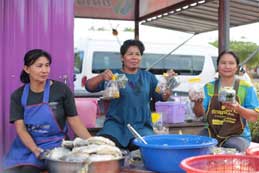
196,92
227,94
121,80
168,82
111,90
172,81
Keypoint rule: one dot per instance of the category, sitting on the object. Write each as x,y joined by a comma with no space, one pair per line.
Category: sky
248,32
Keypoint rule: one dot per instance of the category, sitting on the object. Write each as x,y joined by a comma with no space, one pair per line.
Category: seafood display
57,153
94,149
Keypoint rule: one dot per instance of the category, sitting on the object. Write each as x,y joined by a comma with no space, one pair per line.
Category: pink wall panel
28,24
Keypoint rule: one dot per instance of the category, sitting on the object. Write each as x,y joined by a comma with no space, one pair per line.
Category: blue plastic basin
164,153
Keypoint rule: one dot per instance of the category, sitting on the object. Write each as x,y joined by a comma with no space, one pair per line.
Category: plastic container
164,153
221,164
253,151
173,112
87,110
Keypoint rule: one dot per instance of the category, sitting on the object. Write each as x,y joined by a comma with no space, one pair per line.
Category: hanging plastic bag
168,81
111,90
121,80
227,94
196,89
172,81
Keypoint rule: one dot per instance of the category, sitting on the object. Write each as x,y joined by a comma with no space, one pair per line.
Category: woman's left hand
232,106
171,73
166,94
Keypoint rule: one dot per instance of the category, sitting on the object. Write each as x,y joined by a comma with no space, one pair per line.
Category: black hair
29,58
128,43
228,52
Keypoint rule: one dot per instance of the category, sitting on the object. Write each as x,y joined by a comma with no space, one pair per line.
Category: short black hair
228,52
128,43
29,58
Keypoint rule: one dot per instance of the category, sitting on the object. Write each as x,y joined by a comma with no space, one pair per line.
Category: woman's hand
166,94
93,83
249,114
232,106
26,138
171,73
196,101
37,151
107,75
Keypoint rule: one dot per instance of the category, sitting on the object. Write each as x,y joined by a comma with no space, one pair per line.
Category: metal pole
136,31
224,24
163,57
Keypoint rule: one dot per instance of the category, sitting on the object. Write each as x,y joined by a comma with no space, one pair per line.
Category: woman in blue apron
39,110
227,122
133,104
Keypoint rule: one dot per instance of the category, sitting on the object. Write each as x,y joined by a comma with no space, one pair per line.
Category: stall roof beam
203,14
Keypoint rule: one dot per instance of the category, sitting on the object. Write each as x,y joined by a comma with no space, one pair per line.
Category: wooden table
174,128
193,127
133,169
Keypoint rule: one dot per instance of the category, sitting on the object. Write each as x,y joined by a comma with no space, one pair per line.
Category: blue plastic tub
164,153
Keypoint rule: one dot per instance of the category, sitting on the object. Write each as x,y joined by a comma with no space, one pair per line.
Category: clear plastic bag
168,82
157,120
172,82
161,86
189,115
196,92
121,80
227,94
111,90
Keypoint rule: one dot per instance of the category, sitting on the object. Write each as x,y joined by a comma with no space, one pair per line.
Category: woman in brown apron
227,122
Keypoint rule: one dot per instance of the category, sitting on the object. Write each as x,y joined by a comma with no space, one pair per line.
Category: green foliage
127,29
243,50
254,127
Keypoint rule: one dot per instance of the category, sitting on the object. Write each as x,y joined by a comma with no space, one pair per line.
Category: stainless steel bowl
110,166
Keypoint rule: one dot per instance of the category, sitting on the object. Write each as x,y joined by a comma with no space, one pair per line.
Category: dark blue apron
43,128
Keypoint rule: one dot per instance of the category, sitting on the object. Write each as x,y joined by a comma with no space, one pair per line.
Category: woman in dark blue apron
39,111
227,122
133,105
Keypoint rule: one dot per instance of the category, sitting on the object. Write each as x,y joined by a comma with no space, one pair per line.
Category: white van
190,62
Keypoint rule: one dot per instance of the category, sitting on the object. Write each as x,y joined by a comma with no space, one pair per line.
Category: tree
243,50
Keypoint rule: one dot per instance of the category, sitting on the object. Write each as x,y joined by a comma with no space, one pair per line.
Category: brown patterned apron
223,123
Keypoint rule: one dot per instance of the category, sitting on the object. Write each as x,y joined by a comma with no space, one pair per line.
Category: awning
202,16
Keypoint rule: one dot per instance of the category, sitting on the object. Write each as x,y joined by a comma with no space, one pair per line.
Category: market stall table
174,128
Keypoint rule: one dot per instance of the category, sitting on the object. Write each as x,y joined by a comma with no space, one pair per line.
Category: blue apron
41,124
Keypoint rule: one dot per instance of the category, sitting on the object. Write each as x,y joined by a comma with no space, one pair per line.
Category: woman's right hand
107,74
37,151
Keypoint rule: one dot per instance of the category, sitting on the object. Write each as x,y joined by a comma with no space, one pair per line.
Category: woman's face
39,70
227,66
132,58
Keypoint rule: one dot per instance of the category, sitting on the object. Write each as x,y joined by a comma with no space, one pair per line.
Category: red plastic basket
221,164
254,151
